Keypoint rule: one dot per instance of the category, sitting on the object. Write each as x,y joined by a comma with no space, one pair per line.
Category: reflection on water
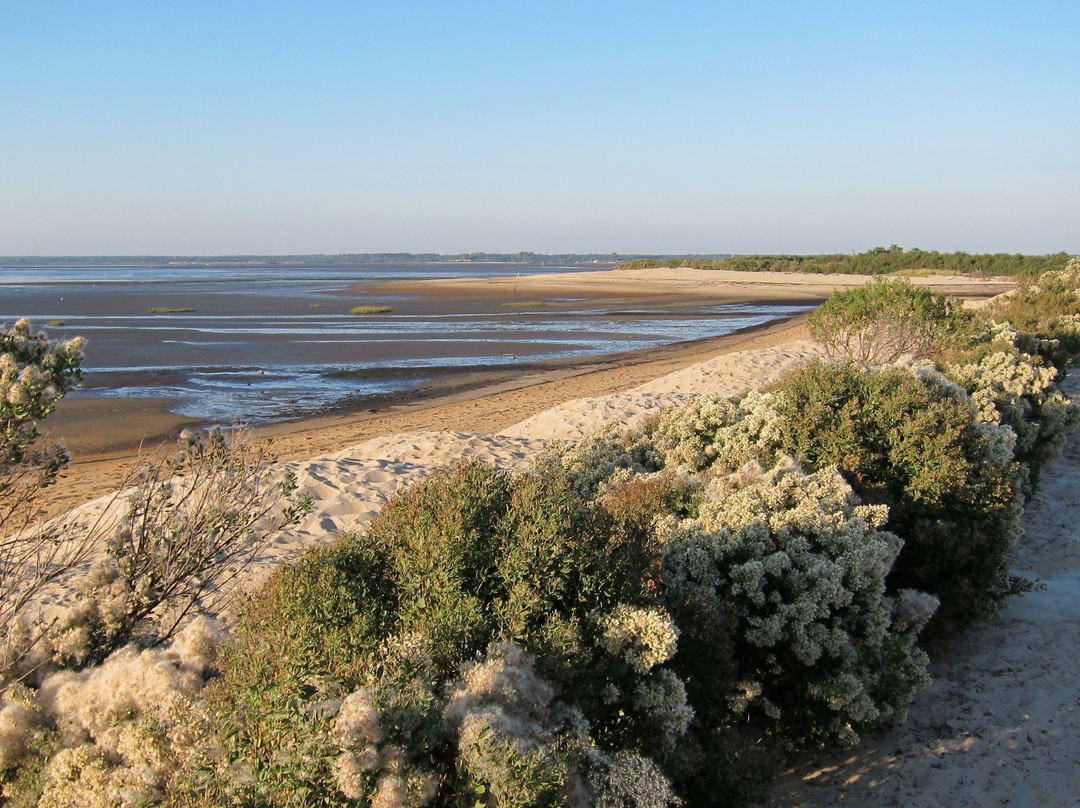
268,343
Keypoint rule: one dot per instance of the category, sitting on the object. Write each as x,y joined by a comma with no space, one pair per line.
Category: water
267,343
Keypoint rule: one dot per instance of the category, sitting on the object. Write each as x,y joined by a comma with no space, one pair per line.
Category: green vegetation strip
370,310
878,261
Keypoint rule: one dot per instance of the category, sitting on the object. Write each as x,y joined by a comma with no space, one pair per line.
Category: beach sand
999,726
106,437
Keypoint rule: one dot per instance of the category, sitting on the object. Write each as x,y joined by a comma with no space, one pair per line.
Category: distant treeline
878,261
345,259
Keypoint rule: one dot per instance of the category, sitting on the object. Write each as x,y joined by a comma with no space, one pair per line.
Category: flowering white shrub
514,739
356,731
644,638
801,565
34,375
626,779
715,430
1010,387
600,460
20,714
124,727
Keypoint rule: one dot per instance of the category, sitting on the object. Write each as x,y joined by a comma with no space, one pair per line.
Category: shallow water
269,343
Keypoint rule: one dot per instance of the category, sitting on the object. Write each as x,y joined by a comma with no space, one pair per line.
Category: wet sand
107,437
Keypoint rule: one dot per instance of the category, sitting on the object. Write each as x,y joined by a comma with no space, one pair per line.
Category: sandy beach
1000,725
107,436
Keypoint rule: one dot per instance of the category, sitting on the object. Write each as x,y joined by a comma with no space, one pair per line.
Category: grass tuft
370,310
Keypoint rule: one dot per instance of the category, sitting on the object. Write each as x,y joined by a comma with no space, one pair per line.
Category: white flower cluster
715,431
24,383
355,730
644,638
1015,388
364,763
802,566
600,460
514,738
122,723
101,608
526,748
622,779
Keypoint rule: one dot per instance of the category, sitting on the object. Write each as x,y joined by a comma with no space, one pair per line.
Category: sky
230,127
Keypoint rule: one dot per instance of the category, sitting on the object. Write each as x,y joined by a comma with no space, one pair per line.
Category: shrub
1018,389
117,733
470,579
913,443
34,375
716,432
370,310
1045,314
886,319
799,567
187,528
601,459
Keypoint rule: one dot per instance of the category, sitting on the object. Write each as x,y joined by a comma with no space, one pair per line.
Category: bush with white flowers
801,567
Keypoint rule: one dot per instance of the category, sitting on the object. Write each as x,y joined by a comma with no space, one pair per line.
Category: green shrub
1045,313
913,443
466,576
370,310
886,319
814,648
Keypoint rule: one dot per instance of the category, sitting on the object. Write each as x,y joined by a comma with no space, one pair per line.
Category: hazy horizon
210,129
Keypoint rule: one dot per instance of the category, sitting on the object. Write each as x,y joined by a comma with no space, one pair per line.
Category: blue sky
229,127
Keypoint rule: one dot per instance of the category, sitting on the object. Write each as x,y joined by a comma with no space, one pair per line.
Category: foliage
644,618
495,629
886,319
1045,313
370,310
34,375
188,527
1011,387
878,261
912,443
800,568
113,734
